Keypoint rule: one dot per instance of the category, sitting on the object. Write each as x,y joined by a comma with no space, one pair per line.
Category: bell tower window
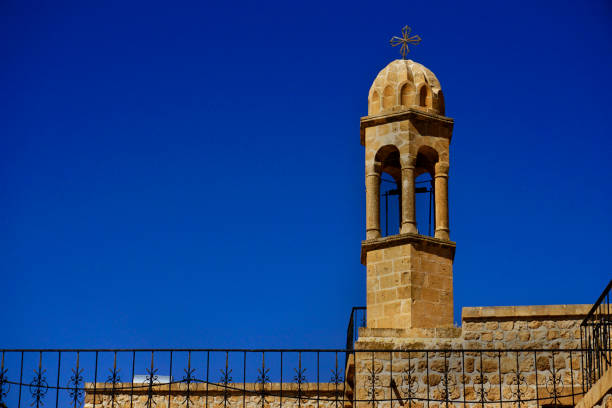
425,190
388,160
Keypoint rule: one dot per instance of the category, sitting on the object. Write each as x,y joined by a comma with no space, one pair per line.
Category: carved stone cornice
407,114
406,238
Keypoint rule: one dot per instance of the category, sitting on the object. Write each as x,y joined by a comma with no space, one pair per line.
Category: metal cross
405,39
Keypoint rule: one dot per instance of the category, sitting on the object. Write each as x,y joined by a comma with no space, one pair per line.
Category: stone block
384,268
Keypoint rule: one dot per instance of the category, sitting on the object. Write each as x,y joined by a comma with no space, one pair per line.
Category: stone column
441,200
408,197
372,204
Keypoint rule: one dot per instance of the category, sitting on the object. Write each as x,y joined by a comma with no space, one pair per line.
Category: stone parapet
248,395
551,312
513,327
442,332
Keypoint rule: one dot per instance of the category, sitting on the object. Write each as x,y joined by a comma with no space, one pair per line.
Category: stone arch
426,159
387,98
375,103
387,160
406,94
423,96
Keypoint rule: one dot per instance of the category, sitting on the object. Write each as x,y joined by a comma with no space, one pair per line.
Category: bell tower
406,134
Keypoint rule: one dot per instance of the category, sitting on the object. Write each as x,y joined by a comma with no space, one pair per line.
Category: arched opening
424,190
388,163
423,96
387,98
375,103
407,94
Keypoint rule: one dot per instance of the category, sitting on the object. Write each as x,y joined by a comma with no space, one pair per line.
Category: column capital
407,161
372,168
441,169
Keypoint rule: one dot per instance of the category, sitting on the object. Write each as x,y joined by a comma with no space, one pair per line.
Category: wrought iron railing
273,378
596,337
356,320
290,378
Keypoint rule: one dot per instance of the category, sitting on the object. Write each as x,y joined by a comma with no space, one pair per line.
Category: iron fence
356,320
236,378
595,337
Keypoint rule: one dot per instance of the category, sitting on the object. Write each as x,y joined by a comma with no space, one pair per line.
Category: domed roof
405,84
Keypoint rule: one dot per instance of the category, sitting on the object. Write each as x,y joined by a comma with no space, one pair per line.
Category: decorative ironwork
410,384
373,385
518,386
188,378
554,384
113,379
38,387
262,379
299,376
151,379
226,378
75,391
336,378
447,384
385,378
5,386
299,379
482,387
404,40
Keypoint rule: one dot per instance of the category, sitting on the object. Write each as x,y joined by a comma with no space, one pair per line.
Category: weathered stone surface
410,286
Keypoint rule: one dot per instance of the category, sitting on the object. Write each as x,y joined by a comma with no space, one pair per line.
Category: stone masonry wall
541,370
307,395
500,357
410,285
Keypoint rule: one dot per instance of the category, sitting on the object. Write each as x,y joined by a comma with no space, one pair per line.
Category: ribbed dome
405,84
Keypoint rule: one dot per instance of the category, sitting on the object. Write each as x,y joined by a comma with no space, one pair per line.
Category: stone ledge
394,240
203,388
601,388
375,120
524,312
440,332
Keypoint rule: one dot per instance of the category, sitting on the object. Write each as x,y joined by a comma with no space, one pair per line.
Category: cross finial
405,39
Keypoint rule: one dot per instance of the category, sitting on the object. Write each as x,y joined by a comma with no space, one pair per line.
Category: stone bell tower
409,275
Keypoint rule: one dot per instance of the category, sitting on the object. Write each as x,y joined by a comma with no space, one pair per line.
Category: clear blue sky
191,176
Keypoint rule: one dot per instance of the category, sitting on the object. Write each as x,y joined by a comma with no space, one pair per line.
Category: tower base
409,282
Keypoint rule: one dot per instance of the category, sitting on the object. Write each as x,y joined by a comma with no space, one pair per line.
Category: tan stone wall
234,396
474,377
546,326
408,369
528,330
410,285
